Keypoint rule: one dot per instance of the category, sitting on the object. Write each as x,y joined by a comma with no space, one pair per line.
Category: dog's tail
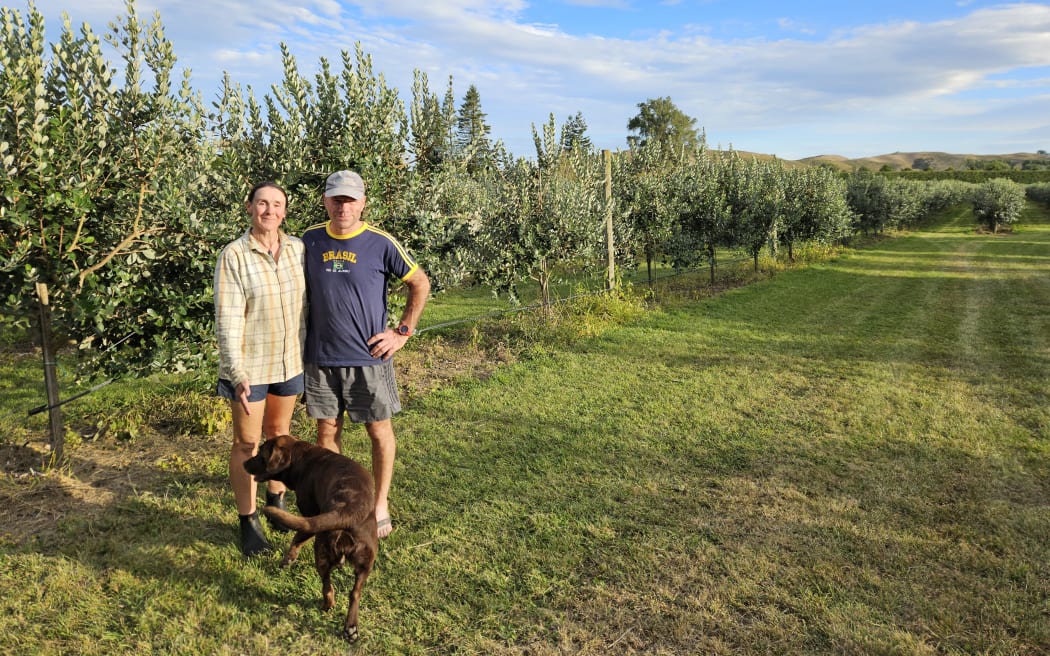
335,520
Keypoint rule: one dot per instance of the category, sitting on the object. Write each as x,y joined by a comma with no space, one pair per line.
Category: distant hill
919,160
931,160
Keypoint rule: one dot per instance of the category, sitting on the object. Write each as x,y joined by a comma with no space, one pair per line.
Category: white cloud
895,78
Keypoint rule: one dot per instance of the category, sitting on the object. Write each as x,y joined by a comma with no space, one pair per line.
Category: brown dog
336,497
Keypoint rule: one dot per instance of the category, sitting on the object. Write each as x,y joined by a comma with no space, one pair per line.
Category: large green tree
660,120
98,188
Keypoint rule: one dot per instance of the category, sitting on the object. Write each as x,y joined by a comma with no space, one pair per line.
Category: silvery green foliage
646,209
942,194
755,192
545,215
998,203
705,221
431,141
1038,192
100,172
302,130
879,203
444,215
814,208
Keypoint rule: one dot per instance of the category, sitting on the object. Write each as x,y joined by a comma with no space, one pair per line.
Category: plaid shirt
260,317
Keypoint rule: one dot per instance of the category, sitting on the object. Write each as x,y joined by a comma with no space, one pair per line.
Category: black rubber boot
253,542
277,501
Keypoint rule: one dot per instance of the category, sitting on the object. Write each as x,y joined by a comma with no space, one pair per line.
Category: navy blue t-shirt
347,278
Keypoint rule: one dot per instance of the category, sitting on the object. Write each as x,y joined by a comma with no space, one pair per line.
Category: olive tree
756,196
815,208
1039,193
998,203
346,118
100,172
447,210
879,203
432,122
704,213
640,179
545,215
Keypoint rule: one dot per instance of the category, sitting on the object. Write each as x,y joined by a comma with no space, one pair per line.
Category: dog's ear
277,453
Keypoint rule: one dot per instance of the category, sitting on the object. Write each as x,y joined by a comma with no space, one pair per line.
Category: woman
260,298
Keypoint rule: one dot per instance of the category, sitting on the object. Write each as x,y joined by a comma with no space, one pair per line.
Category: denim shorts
292,387
365,394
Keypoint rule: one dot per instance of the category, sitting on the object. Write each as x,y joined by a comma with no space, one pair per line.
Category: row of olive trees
1039,193
685,206
880,203
119,187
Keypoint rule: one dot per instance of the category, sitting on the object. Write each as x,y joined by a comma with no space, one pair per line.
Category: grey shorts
366,394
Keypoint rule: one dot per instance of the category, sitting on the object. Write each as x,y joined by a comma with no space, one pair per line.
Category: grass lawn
850,458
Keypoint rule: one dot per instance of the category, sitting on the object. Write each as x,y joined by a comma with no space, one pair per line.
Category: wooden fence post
54,414
611,283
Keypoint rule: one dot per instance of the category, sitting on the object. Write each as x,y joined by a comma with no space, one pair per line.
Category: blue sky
794,79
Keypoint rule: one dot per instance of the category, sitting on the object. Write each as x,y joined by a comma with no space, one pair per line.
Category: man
349,345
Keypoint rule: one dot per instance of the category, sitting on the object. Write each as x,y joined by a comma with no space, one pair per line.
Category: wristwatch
403,329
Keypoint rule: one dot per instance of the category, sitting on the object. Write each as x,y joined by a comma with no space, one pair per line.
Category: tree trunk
545,287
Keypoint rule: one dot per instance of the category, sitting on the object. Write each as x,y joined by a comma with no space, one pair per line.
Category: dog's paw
350,633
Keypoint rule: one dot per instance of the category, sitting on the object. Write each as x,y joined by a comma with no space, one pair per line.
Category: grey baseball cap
345,183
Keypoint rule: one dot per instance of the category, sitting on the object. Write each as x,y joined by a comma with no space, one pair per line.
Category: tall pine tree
574,133
472,134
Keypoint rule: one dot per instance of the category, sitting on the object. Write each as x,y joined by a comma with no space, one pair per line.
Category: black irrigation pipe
534,306
498,313
444,324
45,407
